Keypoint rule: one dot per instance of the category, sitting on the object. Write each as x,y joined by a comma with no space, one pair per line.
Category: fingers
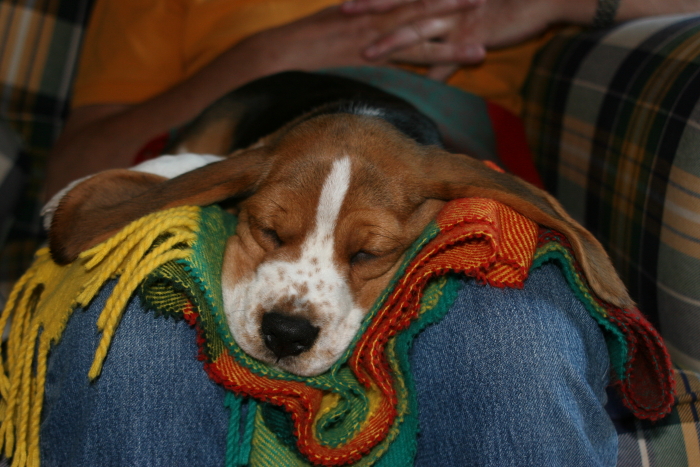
419,8
369,6
409,35
440,54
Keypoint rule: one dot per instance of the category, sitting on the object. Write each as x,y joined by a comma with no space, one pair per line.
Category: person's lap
509,377
152,405
514,378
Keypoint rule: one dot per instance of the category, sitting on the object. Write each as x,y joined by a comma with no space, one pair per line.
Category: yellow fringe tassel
44,298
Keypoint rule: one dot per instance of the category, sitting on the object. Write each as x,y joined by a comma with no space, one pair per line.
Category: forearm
107,136
111,136
177,106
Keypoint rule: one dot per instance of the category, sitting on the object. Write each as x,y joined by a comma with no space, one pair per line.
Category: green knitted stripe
249,429
204,268
233,404
437,301
341,424
266,448
614,337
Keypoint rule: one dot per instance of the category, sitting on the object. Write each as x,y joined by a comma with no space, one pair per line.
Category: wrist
581,12
605,14
631,9
258,55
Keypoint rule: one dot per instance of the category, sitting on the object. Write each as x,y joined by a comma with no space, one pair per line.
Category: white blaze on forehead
331,199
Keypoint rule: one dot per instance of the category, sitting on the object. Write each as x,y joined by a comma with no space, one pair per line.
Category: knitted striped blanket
362,411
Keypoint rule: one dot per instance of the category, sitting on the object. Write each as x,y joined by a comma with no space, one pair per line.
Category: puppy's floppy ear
103,204
453,176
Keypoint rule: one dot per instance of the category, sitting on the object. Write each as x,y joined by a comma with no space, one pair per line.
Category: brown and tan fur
397,186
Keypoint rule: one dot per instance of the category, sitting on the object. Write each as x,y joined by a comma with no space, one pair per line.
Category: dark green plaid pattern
613,118
39,45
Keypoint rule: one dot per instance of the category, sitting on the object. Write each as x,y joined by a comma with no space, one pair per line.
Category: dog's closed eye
362,256
265,233
272,236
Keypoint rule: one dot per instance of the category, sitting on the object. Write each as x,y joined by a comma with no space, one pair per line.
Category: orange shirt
134,50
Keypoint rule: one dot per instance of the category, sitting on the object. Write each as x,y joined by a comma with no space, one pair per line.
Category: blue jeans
508,378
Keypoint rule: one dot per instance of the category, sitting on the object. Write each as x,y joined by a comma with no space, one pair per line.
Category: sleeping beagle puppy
332,181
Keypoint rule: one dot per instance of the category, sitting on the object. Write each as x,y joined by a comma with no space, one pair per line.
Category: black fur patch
271,102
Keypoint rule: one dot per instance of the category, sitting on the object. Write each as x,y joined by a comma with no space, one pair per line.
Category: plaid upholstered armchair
612,118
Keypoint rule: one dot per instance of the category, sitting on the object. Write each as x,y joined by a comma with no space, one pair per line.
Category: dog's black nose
287,335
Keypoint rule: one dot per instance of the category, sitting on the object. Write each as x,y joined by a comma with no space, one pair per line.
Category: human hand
324,39
341,36
458,32
420,38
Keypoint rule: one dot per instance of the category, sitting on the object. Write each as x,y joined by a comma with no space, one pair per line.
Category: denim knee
153,404
514,377
509,377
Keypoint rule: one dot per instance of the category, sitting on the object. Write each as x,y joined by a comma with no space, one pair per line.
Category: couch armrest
613,119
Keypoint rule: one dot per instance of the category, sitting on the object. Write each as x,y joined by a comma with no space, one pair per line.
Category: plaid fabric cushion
39,43
672,441
12,176
613,118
